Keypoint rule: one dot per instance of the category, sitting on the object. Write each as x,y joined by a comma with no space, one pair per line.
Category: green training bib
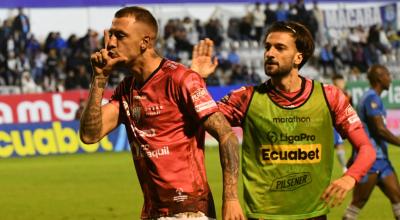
287,157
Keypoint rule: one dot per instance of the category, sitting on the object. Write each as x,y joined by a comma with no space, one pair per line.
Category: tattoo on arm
218,127
91,122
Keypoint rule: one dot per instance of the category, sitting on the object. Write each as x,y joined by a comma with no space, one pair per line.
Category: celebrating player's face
124,38
281,55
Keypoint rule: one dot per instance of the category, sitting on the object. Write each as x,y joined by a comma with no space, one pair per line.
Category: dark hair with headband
303,38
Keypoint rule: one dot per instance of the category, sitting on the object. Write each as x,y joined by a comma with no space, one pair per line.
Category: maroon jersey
163,120
346,120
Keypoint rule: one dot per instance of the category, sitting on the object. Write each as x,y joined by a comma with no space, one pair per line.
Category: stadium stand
28,65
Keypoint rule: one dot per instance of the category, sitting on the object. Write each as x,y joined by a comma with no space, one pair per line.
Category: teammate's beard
280,71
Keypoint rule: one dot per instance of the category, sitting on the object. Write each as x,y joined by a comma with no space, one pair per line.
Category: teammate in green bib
288,149
291,152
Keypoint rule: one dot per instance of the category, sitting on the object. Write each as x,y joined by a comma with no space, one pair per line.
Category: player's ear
144,44
298,58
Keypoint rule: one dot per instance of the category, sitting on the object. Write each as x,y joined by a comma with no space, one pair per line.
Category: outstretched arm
219,128
202,61
96,120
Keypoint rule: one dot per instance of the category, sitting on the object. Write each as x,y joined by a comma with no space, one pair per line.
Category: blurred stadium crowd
28,65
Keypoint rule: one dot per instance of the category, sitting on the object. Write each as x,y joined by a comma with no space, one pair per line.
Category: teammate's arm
97,121
219,128
379,128
349,125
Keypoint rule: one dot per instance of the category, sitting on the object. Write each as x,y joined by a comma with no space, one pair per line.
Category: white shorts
187,215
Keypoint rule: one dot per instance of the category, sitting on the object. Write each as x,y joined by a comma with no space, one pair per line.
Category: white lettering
64,110
345,18
5,114
32,111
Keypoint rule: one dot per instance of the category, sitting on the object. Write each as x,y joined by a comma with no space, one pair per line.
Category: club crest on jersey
374,105
136,113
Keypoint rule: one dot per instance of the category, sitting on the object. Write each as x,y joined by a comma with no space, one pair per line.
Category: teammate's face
340,83
281,55
125,38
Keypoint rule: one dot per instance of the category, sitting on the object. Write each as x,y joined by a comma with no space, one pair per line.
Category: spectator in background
214,30
245,27
21,25
233,56
28,85
318,15
233,29
282,13
83,78
327,59
258,21
270,15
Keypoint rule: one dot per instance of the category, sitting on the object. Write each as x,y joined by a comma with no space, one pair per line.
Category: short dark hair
374,72
337,76
303,38
140,14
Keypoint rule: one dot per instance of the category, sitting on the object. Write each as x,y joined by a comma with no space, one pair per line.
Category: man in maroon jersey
288,46
166,109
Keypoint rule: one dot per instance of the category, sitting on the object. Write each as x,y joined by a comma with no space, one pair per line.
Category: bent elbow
87,139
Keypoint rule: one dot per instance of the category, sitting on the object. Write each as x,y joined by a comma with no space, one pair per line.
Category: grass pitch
104,186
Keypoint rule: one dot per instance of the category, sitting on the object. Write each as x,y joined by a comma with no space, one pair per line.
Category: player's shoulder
178,72
243,90
371,95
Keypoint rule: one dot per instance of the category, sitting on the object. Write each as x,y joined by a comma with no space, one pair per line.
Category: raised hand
202,61
337,190
104,60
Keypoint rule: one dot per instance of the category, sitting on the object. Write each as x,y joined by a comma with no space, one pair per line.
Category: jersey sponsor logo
291,154
154,110
291,119
353,119
143,150
350,110
206,105
291,182
180,197
198,94
273,137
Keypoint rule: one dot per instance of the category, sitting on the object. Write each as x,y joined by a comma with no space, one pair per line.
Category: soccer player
287,149
372,113
165,108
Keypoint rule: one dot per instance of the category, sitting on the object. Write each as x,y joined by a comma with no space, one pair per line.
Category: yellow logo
291,154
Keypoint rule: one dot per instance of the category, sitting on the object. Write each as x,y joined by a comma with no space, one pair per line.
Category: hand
102,62
231,210
337,190
202,61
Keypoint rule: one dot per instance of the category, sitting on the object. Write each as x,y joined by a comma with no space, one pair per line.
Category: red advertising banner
42,107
